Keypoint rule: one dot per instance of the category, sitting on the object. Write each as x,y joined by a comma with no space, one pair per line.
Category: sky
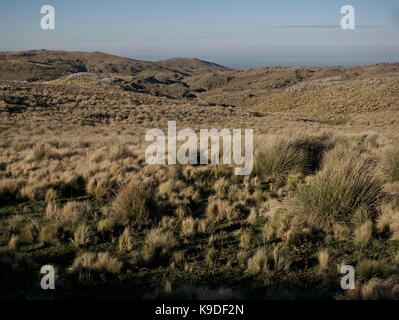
246,33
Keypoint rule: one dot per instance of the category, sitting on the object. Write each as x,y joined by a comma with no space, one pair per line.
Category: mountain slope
49,65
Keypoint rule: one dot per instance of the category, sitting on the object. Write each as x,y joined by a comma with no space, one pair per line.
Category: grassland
76,192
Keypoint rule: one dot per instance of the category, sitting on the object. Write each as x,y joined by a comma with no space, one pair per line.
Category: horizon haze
230,33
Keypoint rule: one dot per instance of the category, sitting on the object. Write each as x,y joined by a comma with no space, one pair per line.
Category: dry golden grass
97,262
323,257
72,155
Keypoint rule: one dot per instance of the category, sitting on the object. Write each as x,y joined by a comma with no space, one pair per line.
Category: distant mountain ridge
184,78
49,65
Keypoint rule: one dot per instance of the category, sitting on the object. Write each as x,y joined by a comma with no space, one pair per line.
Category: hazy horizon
231,33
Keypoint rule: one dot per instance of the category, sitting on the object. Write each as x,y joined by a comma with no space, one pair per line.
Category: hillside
49,65
77,193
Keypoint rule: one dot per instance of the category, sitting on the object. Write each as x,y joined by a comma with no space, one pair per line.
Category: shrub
345,184
131,205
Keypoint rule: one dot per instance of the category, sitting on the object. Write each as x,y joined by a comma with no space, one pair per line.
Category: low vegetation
76,192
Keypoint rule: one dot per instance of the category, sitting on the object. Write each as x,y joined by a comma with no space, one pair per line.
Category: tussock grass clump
51,195
314,149
277,160
75,212
341,232
252,217
156,244
346,183
374,289
14,242
71,183
98,187
39,152
117,152
363,234
188,227
82,235
221,188
267,232
201,225
52,211
380,289
388,221
106,225
49,234
267,261
245,240
178,257
390,165
322,257
14,223
30,233
98,262
125,241
72,213
211,258
131,205
157,238
9,189
220,209
368,268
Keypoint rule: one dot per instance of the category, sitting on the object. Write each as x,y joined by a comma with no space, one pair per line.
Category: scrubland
76,192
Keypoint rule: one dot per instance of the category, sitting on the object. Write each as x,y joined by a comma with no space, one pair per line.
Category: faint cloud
326,26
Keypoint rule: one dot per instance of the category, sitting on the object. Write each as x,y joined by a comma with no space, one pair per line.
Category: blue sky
236,33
